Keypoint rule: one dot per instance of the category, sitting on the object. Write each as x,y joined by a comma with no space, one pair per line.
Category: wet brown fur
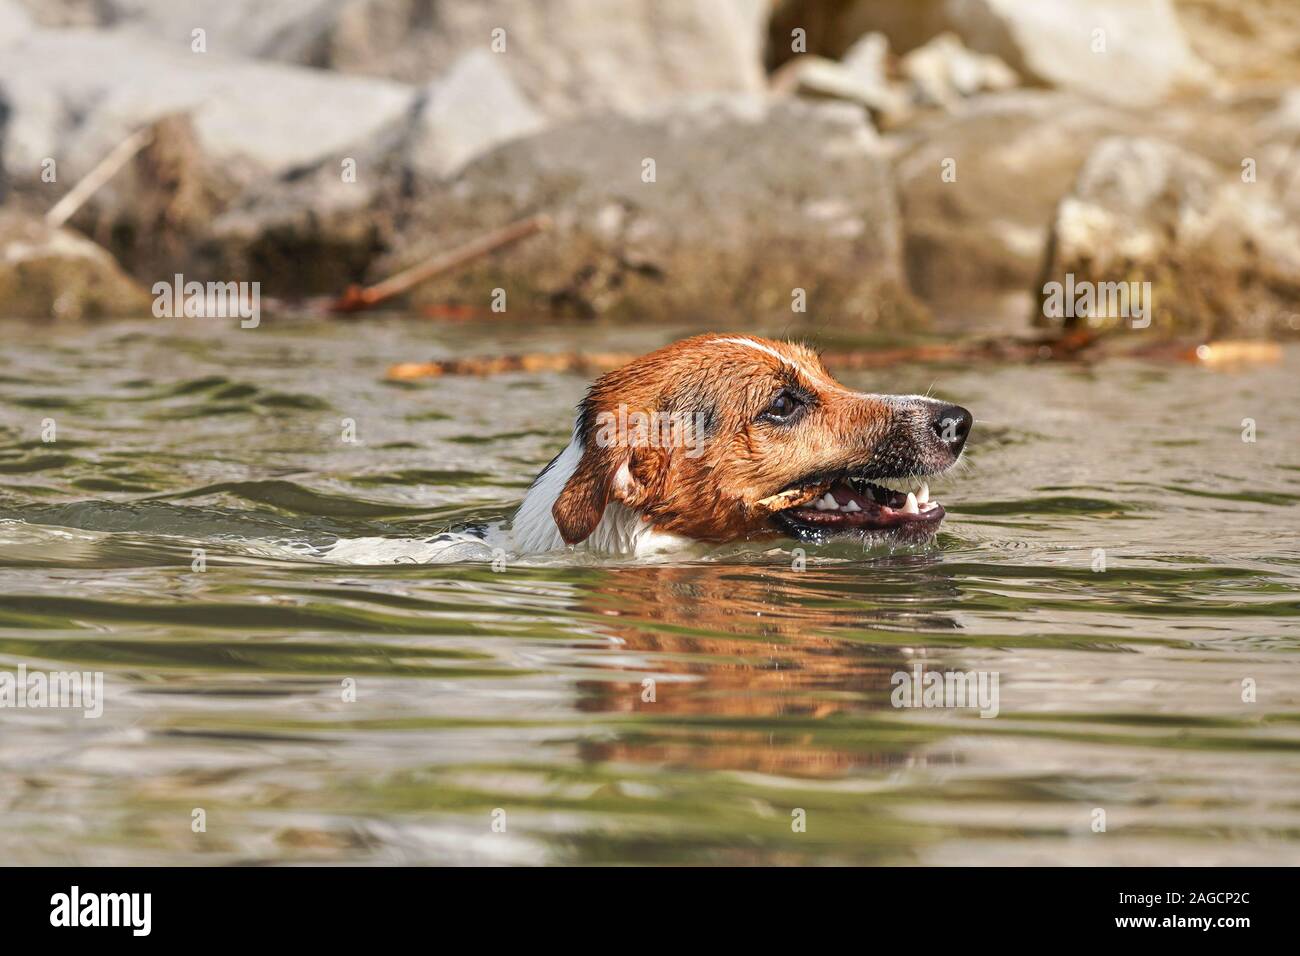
716,496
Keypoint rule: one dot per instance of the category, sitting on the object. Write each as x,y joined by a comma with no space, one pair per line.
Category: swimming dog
722,438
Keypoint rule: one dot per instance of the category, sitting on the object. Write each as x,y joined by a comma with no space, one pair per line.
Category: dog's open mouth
848,505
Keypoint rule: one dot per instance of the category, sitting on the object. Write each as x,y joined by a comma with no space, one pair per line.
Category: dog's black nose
952,424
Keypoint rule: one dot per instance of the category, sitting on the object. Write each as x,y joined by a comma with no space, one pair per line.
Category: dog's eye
782,407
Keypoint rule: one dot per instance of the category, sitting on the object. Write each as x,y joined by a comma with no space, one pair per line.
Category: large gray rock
1221,252
568,56
1130,52
1014,156
317,228
475,107
751,199
75,94
224,126
57,273
14,21
978,188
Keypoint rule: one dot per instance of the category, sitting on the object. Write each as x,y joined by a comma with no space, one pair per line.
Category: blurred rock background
896,159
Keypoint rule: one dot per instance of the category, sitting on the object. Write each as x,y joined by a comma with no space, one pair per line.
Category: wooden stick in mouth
790,498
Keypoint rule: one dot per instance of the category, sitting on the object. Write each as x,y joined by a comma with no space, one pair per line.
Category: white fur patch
620,531
763,348
814,374
533,528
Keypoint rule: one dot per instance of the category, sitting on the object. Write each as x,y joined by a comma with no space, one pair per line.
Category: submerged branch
1071,345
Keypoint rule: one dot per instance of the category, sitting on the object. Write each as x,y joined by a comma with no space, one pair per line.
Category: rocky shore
872,162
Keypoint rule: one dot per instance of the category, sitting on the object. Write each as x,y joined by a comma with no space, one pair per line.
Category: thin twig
357,298
104,170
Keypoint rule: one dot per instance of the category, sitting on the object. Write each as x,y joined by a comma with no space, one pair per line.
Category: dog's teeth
851,506
923,495
910,507
827,502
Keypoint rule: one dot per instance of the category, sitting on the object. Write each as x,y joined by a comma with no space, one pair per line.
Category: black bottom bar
333,905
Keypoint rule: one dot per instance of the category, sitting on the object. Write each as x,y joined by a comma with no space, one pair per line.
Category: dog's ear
639,479
579,507
630,475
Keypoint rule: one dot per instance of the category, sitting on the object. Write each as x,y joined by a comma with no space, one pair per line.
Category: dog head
721,438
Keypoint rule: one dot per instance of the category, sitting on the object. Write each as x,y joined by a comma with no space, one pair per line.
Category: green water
522,690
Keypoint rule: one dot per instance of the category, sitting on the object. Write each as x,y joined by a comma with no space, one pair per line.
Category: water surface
524,689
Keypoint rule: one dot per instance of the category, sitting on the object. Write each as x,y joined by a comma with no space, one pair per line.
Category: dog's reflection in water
766,652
